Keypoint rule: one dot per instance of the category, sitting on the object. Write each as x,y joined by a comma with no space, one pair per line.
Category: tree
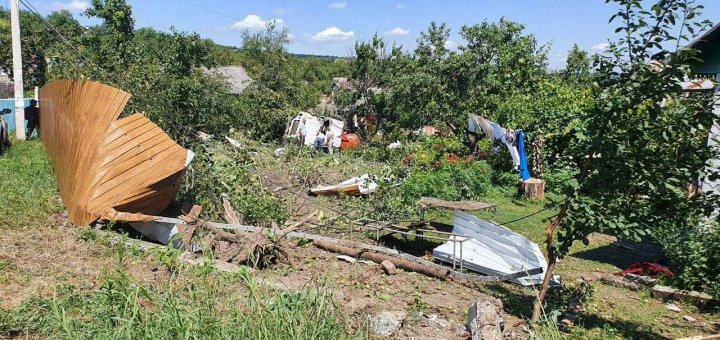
577,68
644,140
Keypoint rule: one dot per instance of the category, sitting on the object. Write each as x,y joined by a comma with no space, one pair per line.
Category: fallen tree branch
442,274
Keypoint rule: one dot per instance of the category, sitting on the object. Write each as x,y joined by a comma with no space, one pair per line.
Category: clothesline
514,140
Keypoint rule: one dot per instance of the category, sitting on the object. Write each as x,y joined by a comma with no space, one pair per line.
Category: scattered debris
485,319
436,272
387,323
395,145
233,142
702,337
346,258
673,307
697,298
491,249
355,186
229,213
388,267
99,153
425,131
689,318
647,269
204,136
279,152
312,128
349,141
426,202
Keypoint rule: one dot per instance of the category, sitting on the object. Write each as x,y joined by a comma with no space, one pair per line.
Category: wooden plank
102,163
455,205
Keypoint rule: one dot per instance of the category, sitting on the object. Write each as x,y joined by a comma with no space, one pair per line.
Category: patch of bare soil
435,309
40,260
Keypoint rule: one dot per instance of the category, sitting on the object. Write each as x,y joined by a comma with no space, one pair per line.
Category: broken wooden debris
697,298
355,186
107,166
702,337
228,212
439,273
491,249
455,275
454,205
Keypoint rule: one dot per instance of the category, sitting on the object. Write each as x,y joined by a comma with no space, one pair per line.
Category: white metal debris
491,249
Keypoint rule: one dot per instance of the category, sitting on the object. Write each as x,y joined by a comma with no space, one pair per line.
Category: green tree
577,68
644,140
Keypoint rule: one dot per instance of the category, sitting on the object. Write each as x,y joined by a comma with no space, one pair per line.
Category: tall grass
28,192
198,304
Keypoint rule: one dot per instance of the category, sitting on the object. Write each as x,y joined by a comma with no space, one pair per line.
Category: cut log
532,188
379,258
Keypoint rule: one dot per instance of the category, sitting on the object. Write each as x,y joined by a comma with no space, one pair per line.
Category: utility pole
17,70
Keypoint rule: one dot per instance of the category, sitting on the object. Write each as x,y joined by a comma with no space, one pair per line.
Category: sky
332,27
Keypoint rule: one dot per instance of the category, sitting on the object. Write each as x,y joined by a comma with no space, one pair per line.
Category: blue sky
332,27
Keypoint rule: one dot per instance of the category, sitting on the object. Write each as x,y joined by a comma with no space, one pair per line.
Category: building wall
711,59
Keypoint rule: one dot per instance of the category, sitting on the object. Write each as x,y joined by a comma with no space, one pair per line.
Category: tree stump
532,188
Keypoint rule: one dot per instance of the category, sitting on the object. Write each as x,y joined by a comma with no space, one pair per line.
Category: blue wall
10,104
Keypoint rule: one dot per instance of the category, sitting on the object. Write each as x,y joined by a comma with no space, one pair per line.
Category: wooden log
379,258
532,188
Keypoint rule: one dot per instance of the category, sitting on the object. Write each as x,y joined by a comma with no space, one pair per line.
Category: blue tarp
10,117
524,172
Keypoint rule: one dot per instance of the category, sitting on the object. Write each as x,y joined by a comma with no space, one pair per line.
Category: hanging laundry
509,140
524,173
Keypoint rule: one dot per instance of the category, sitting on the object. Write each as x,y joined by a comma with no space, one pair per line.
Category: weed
29,192
87,234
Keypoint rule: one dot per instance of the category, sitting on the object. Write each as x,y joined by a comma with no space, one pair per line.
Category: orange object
107,167
349,141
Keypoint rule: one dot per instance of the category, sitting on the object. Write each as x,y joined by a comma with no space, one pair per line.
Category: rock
485,319
697,298
689,318
386,323
673,307
279,152
388,267
436,320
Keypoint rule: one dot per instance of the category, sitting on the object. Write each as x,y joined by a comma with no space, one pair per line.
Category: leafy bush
451,181
695,257
221,169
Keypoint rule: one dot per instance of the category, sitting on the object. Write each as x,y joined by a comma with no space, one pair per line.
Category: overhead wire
67,43
255,26
74,50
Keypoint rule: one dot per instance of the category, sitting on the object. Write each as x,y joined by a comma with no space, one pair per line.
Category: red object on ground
349,141
647,268
452,158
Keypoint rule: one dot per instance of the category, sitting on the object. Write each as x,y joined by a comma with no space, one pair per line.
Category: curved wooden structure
107,168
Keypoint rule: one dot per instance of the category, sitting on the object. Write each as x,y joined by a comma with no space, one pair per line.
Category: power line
66,41
255,26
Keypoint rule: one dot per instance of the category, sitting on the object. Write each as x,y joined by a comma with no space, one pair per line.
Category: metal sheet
492,249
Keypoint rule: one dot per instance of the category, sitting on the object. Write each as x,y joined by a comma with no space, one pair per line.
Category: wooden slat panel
102,163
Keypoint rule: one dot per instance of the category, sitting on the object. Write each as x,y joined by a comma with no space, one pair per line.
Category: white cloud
337,5
397,31
450,45
601,46
400,6
254,21
72,6
333,34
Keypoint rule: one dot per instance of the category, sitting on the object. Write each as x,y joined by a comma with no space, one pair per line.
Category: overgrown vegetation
28,193
192,303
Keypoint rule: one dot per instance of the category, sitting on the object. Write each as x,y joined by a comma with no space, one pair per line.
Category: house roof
235,76
706,38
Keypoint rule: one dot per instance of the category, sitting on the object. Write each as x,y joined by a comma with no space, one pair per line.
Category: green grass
194,302
28,191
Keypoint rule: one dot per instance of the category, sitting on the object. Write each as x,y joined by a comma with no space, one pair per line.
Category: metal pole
17,70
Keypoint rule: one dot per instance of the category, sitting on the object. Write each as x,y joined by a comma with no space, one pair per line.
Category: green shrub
695,257
221,169
451,181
